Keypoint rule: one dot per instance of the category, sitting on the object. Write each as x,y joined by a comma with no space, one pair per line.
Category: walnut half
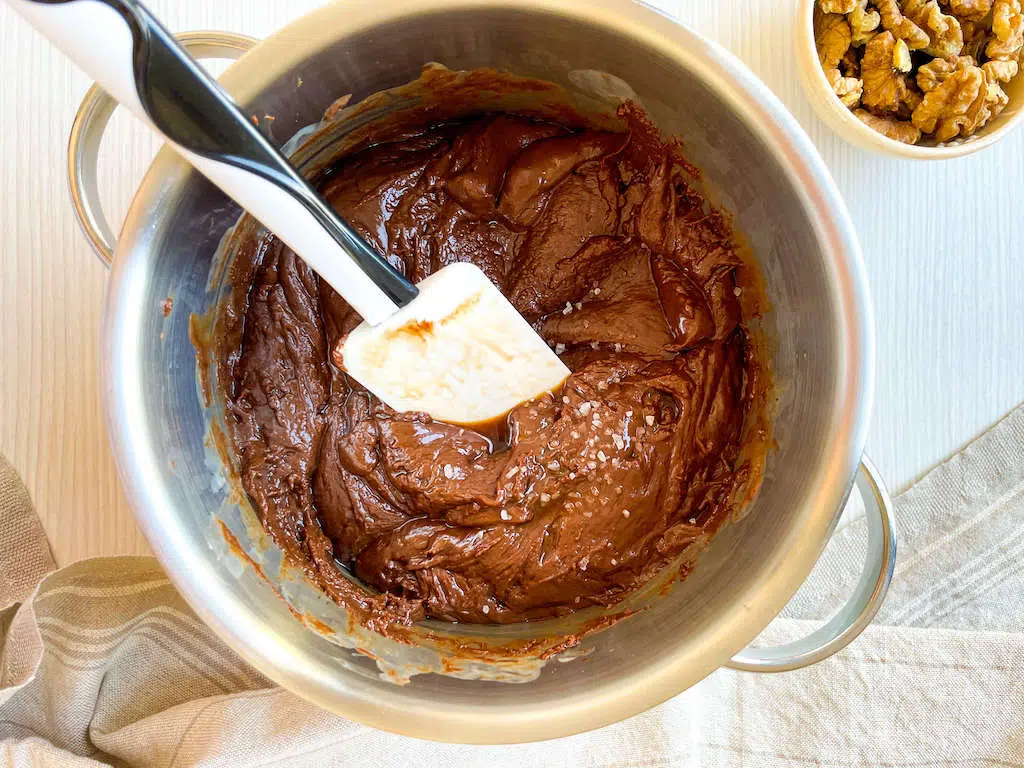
1003,71
945,36
863,23
1008,29
973,10
931,75
894,21
848,89
900,130
885,86
945,110
832,37
961,104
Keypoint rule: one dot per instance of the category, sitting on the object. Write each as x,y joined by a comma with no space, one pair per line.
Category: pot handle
863,604
91,122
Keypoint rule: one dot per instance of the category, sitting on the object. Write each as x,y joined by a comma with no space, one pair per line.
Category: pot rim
188,565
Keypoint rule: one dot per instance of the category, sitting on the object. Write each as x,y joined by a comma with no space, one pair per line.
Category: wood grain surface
942,242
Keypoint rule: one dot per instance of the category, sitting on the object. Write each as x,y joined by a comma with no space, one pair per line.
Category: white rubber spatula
452,346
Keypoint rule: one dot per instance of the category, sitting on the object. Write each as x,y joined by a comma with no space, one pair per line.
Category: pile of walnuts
918,70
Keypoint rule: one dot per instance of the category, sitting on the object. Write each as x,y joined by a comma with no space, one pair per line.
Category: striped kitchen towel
104,664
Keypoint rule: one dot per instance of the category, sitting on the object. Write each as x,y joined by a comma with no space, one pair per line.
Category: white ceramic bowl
849,127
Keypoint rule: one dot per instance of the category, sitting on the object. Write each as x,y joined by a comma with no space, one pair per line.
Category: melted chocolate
602,241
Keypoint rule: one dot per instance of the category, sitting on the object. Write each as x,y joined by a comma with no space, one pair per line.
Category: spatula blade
459,352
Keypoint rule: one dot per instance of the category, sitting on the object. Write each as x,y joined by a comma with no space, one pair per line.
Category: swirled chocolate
604,244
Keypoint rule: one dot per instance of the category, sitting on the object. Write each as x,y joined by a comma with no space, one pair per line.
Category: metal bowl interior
765,172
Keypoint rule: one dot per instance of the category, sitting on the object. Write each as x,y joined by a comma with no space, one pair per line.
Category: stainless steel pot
766,172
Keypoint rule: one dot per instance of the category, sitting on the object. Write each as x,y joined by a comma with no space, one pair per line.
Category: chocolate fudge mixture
602,241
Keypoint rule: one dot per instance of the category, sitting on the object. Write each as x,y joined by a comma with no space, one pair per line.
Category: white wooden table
944,246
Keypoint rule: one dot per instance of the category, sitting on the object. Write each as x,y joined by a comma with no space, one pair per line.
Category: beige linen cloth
102,662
